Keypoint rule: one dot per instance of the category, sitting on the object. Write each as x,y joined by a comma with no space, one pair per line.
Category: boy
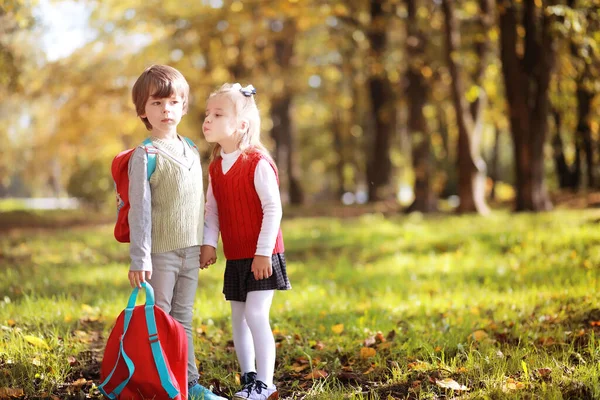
166,217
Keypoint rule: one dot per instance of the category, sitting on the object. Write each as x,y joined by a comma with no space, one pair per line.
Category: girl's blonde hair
244,106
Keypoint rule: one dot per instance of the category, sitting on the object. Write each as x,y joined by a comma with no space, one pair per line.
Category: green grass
506,305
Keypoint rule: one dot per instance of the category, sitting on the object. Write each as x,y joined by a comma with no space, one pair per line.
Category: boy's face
164,114
220,123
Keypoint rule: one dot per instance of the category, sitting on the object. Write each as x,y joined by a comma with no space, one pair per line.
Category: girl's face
220,123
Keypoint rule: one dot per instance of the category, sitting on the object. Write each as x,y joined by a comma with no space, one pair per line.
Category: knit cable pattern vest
177,198
240,209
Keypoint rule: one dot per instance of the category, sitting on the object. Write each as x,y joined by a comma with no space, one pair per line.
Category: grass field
506,306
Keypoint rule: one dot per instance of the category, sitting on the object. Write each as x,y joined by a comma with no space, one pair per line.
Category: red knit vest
240,209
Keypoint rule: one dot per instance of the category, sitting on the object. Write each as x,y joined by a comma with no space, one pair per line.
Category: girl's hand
208,256
261,267
137,277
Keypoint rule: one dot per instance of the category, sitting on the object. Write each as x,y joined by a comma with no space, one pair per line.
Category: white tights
252,335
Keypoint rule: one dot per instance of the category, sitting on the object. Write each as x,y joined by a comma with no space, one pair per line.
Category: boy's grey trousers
175,279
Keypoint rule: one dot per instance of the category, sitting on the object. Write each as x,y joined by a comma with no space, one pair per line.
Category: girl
243,203
166,215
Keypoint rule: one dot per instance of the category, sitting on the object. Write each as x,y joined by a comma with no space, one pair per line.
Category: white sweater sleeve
211,218
265,183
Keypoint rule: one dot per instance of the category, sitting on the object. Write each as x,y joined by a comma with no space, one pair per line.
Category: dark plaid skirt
239,279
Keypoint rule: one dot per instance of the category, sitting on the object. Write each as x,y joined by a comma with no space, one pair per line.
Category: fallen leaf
319,345
391,335
302,360
479,335
339,328
11,323
544,372
379,337
316,374
36,341
449,383
299,368
546,341
384,346
368,371
79,382
370,341
86,308
8,392
511,384
367,352
418,366
36,361
72,360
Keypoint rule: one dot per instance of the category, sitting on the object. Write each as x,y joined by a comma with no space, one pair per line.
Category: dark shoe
260,391
247,381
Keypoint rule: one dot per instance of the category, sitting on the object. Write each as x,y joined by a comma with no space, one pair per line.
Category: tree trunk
584,133
337,127
471,166
494,167
526,82
583,137
284,147
379,165
283,130
416,94
567,178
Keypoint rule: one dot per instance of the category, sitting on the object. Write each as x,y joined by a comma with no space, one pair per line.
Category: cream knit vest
177,198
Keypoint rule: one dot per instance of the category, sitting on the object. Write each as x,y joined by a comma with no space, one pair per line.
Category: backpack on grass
145,355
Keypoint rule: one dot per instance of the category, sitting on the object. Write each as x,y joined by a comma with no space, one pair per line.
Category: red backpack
145,355
120,174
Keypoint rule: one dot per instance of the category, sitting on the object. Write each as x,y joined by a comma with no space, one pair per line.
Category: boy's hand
208,256
261,267
137,277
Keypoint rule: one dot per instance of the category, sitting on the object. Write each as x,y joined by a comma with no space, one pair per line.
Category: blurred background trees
410,101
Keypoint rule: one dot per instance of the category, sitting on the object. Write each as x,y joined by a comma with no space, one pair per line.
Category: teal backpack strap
192,144
159,360
151,153
157,353
128,362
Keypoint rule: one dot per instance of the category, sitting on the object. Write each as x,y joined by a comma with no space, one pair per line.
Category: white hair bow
246,91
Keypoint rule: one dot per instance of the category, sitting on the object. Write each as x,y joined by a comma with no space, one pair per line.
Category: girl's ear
243,125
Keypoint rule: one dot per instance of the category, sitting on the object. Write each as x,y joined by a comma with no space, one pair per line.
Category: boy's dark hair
158,81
